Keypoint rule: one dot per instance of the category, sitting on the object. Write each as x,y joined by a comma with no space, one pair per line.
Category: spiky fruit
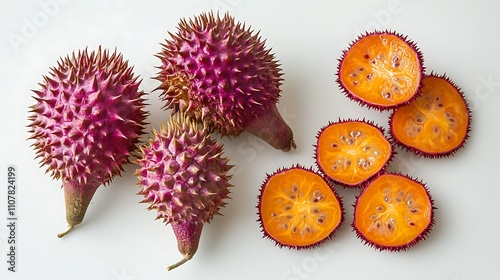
350,152
394,212
221,73
437,123
184,176
298,209
86,122
381,69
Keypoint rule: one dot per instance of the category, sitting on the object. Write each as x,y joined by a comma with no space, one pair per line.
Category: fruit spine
219,72
184,176
86,122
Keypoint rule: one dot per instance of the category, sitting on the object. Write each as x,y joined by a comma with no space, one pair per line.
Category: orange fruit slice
381,70
435,124
351,152
393,212
298,209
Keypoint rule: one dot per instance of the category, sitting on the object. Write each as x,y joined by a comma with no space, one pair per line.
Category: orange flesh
381,69
298,208
436,122
393,211
352,152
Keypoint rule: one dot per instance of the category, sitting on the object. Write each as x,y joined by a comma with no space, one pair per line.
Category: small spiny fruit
183,175
350,152
298,208
437,123
394,212
221,73
381,70
86,122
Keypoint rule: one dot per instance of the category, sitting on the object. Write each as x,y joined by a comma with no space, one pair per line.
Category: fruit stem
272,128
188,237
186,258
65,232
77,198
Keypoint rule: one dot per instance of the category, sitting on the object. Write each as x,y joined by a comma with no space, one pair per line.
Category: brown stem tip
188,235
272,128
77,198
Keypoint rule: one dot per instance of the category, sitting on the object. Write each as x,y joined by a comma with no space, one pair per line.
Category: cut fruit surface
436,123
381,70
351,152
393,212
298,209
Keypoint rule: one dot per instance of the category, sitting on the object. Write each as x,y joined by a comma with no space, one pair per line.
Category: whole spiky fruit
86,122
184,176
221,73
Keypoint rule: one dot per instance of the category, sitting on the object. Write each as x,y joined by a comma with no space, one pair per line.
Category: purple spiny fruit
220,72
183,175
86,122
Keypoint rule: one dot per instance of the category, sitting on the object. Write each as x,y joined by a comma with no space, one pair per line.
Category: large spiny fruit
219,72
184,177
86,122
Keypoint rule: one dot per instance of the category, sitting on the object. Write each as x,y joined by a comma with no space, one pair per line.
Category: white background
119,239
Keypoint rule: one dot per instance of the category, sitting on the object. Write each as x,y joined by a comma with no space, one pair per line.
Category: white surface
119,239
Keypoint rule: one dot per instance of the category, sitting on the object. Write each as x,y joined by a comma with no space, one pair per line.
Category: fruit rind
380,107
311,171
78,91
419,152
362,183
403,247
184,176
220,72
87,122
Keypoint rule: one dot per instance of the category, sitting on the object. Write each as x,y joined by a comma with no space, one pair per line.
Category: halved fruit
437,123
298,209
381,70
394,212
353,151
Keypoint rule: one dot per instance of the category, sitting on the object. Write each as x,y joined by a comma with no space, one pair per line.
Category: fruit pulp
298,208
